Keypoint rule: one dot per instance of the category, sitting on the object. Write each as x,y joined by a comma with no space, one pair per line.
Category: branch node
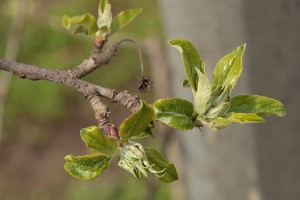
131,103
102,114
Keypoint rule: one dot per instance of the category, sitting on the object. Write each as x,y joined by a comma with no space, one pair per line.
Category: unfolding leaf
124,18
80,29
159,164
176,113
104,14
191,60
102,5
203,93
87,20
217,110
243,118
220,95
86,167
228,69
260,105
224,121
96,140
137,122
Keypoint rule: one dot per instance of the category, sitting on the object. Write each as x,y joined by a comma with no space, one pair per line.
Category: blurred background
40,121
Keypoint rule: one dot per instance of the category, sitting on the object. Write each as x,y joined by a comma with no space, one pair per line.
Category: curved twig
139,50
98,58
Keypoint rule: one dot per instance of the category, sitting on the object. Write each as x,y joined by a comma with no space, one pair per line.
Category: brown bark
72,78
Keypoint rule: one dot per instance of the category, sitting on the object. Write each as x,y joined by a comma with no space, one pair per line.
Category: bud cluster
134,160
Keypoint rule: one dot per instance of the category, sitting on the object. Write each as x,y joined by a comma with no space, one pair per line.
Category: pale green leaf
217,110
104,14
261,105
95,139
216,123
137,122
80,29
176,113
228,69
203,93
93,28
220,95
66,21
86,167
102,5
124,18
191,60
243,118
159,164
229,118
84,20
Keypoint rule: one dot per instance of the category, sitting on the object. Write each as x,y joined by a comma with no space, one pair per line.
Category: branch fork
72,78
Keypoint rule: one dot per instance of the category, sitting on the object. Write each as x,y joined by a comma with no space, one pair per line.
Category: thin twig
91,92
98,58
139,50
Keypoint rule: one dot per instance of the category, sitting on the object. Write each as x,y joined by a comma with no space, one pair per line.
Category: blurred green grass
37,110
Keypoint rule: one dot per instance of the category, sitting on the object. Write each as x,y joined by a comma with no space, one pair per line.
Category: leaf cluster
105,25
135,126
213,106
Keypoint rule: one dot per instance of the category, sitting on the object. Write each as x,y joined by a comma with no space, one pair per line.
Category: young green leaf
217,110
86,167
229,118
191,60
124,18
87,19
80,29
260,105
220,95
96,140
159,164
145,133
137,122
102,5
104,14
216,123
176,113
228,69
203,93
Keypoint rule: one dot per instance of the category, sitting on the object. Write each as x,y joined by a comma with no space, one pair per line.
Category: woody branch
72,78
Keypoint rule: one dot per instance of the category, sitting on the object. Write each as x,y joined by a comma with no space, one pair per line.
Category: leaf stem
139,50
